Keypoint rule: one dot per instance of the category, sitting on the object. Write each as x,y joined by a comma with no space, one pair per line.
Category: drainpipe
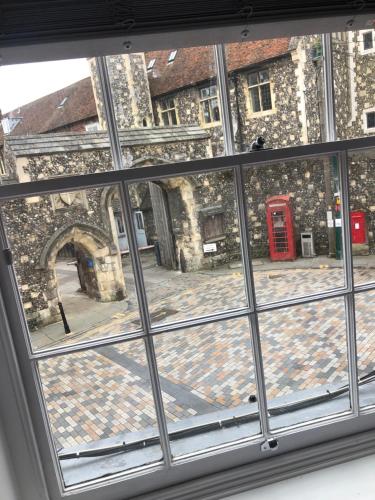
329,119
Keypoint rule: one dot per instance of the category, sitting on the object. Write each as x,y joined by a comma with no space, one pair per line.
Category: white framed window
151,64
168,111
185,428
366,40
368,118
172,56
209,104
260,91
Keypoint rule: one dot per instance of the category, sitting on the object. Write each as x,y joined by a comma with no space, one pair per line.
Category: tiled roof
69,141
76,103
196,64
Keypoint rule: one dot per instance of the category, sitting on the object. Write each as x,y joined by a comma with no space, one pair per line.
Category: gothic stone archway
100,268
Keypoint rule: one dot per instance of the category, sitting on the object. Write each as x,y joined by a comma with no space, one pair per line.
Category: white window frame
167,111
366,129
343,428
209,99
258,86
362,49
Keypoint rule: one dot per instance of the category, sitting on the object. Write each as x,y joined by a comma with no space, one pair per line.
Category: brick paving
97,394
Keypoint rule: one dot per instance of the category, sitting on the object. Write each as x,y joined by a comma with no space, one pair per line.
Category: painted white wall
349,481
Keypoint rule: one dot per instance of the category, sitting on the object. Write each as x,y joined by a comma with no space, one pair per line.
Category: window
172,56
168,112
2,168
150,64
260,91
370,119
193,352
210,104
368,42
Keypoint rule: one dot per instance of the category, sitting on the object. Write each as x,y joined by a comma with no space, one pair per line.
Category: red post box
280,228
358,227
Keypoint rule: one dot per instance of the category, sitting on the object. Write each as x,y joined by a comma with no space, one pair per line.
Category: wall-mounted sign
338,222
209,248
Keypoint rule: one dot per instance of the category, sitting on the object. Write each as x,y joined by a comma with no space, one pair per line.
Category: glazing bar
109,112
250,291
127,211
146,322
258,159
224,97
348,268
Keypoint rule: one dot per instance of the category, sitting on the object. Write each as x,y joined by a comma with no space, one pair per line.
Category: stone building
167,108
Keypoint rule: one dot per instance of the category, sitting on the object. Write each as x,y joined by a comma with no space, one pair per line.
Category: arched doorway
98,266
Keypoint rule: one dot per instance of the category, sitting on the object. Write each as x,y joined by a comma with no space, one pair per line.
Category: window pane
97,399
253,79
367,40
254,92
365,323
71,259
215,110
370,119
265,92
165,118
263,76
52,126
208,372
294,214
207,111
173,117
362,214
305,355
193,273
354,71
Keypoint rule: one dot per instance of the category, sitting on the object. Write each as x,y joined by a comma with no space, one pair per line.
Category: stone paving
99,393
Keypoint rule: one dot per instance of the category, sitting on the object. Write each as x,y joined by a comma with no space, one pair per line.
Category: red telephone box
280,228
358,227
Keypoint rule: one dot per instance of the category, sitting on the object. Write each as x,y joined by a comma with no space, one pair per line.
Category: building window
150,64
370,119
168,112
210,104
260,91
213,226
367,41
2,166
172,56
139,220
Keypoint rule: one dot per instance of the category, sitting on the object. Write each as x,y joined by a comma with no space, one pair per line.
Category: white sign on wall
209,248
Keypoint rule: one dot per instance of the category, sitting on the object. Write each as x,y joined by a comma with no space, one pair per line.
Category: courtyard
203,369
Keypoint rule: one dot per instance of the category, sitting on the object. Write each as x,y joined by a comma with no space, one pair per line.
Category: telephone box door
280,228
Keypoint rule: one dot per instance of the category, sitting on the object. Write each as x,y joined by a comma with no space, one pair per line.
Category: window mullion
349,279
250,292
224,97
126,206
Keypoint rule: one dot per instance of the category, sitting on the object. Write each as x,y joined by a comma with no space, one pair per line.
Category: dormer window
150,64
172,56
62,103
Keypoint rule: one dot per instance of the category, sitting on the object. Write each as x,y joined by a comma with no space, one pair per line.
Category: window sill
214,240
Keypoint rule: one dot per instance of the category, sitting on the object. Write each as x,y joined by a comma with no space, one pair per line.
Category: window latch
8,256
269,445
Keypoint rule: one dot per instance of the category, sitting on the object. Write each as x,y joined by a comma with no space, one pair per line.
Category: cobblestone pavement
99,393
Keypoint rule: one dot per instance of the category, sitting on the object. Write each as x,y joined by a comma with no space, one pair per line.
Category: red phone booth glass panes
280,228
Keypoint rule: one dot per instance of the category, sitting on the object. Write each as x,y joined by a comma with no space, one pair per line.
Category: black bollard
63,317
